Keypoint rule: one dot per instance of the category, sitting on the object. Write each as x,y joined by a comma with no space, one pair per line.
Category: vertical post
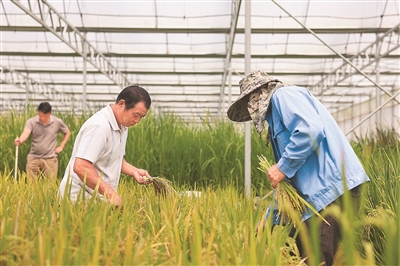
84,58
247,133
392,110
360,114
396,111
16,162
229,85
352,117
27,95
378,91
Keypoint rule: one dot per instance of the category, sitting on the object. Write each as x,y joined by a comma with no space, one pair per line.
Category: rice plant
290,204
215,224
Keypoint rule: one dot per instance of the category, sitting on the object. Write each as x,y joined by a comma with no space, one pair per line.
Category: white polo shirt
101,141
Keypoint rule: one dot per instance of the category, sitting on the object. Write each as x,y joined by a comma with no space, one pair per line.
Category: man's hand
17,142
113,198
58,150
275,175
142,177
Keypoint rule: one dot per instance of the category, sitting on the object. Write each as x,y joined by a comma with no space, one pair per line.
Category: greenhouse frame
190,55
172,180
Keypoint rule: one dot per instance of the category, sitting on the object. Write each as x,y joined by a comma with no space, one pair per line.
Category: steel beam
31,86
218,56
347,62
8,104
235,17
209,85
71,36
199,30
372,113
191,73
361,61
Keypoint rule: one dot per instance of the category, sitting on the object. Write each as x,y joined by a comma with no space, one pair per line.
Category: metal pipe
377,76
229,85
235,17
371,114
247,132
84,58
333,50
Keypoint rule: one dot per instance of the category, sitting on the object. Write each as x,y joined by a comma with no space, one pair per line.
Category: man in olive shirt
44,129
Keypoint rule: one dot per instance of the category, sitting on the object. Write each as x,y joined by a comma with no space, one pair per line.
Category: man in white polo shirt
97,159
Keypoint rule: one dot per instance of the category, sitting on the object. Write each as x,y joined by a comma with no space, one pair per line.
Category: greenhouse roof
190,55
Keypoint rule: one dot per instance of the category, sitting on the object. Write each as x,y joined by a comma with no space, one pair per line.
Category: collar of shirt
113,121
51,120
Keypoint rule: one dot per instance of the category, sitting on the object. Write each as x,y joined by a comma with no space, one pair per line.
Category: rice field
217,225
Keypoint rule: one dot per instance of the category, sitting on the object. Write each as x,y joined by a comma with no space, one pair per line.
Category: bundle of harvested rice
162,186
290,203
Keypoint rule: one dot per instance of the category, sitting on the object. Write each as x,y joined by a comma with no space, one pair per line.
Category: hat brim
238,112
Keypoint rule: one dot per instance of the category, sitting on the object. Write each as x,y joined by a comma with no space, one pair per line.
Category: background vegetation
216,228
207,154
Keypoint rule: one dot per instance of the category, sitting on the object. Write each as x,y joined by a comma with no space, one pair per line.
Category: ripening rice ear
162,187
291,205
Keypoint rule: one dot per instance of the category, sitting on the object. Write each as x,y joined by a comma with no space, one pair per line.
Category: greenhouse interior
85,183
191,55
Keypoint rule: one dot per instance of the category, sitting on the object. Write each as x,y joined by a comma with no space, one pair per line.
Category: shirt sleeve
63,128
92,143
296,111
29,124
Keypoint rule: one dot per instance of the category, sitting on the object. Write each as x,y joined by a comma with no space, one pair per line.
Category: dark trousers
330,235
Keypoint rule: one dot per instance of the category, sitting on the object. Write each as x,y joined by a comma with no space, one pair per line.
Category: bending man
97,159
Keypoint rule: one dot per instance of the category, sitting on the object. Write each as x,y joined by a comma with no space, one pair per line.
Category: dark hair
132,95
44,107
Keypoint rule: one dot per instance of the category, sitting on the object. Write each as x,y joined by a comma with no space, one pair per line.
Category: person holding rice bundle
310,150
98,155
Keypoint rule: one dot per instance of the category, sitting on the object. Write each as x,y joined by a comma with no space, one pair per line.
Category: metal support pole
84,58
360,113
235,16
247,132
229,85
393,110
371,114
378,121
333,50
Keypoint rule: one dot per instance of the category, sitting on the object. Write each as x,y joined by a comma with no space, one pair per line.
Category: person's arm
298,114
60,148
141,176
88,175
24,136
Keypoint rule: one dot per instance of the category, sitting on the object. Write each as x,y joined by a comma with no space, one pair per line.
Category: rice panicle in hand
162,187
290,203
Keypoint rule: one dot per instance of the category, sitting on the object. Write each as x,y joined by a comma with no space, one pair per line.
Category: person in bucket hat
256,90
310,150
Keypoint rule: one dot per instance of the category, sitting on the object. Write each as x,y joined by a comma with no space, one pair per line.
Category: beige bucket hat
238,111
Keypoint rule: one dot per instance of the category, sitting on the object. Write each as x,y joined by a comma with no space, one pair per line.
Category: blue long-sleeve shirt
310,149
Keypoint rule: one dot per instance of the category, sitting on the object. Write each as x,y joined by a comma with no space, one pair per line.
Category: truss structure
79,54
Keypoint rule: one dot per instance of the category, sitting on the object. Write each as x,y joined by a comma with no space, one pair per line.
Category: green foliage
380,155
216,228
208,154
